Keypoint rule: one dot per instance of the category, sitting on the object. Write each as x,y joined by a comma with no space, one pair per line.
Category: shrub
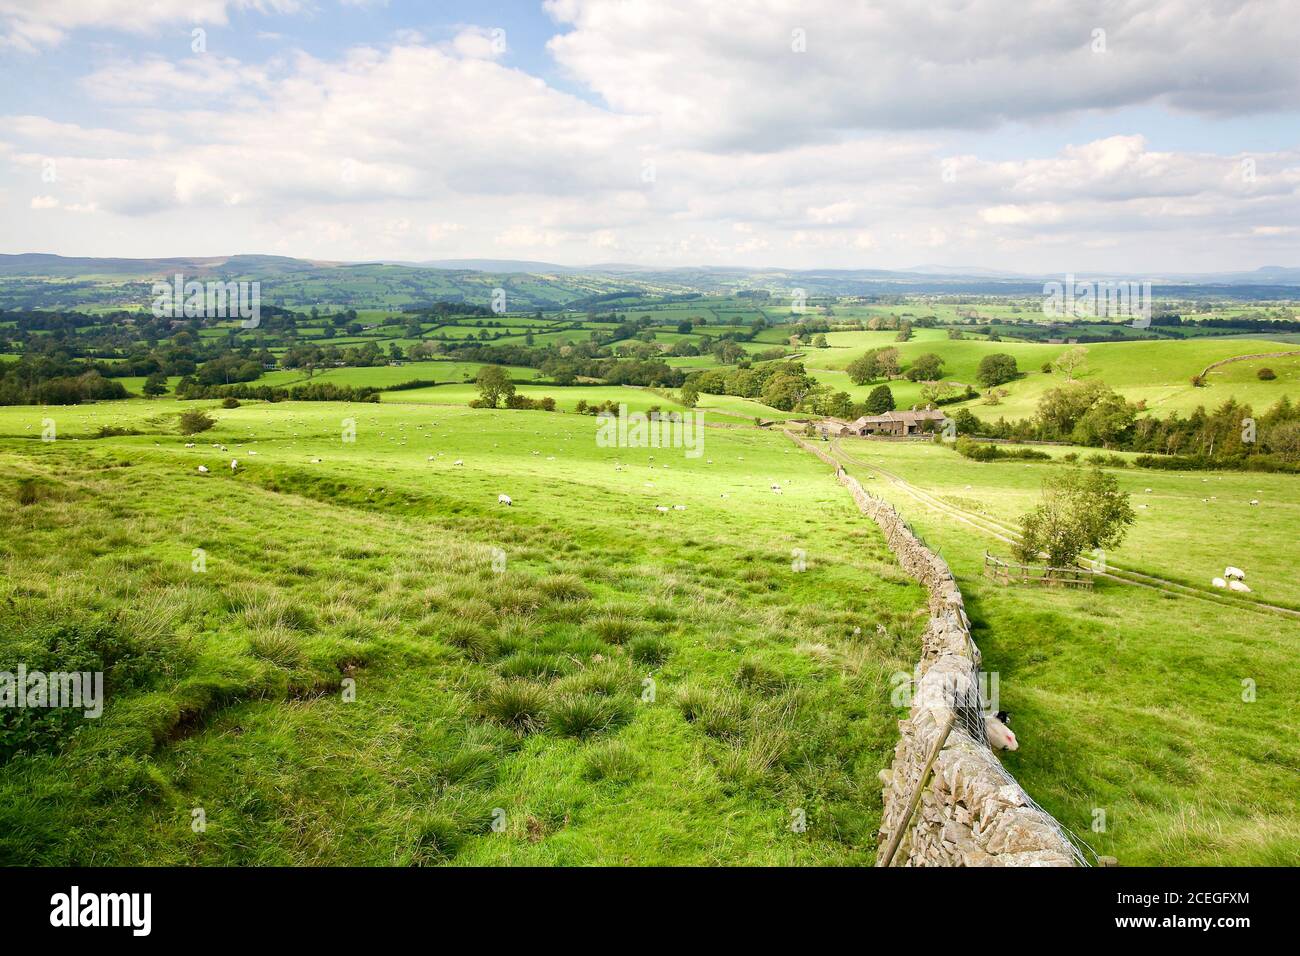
1266,375
195,420
229,402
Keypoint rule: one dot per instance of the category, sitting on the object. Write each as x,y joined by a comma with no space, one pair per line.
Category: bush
229,402
194,421
1266,375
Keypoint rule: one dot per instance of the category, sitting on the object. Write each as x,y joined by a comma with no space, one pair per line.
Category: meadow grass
527,715
1128,702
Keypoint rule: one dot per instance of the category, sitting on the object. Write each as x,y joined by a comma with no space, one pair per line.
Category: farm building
895,423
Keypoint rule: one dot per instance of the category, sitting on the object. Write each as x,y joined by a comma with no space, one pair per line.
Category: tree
1070,361
925,368
493,384
904,333
880,400
819,341
155,384
887,362
863,369
1080,510
194,421
995,369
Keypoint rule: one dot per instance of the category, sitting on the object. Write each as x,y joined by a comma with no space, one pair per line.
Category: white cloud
726,74
28,26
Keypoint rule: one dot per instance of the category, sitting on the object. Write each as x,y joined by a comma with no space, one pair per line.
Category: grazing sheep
234,463
679,507
1148,491
999,734
315,461
1254,501
457,463
203,469
504,500
661,507
1219,583
1231,572
1236,585
189,444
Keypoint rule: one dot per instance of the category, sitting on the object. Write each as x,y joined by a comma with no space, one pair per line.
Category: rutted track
1009,535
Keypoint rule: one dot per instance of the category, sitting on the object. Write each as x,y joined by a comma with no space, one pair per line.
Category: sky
1039,136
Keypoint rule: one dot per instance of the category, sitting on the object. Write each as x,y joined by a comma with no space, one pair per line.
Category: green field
1126,699
476,692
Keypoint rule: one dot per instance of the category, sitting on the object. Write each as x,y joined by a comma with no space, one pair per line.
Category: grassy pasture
475,691
1126,700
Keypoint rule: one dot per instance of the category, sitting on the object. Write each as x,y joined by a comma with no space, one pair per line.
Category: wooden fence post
920,787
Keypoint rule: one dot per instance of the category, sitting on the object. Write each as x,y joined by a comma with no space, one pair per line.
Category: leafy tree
904,333
880,400
819,341
887,362
1070,361
925,368
195,420
995,369
1080,510
493,384
155,384
863,369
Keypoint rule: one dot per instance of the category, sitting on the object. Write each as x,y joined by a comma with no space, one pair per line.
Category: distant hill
38,280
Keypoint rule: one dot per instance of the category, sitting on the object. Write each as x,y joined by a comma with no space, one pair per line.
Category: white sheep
504,500
679,507
1254,501
1219,583
189,444
999,734
457,463
234,464
1231,572
1236,585
203,469
661,508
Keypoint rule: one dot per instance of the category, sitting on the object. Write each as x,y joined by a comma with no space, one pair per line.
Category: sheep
189,444
504,500
1231,572
776,489
1235,585
679,507
234,464
458,463
1254,501
315,461
1219,583
999,734
661,508
203,469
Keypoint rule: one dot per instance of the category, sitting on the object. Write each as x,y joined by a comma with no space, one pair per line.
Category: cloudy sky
1024,135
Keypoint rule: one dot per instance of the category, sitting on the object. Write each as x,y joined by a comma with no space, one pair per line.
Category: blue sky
1153,135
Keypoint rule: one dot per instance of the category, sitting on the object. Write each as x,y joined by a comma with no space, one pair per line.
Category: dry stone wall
972,813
